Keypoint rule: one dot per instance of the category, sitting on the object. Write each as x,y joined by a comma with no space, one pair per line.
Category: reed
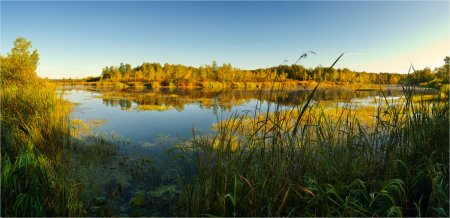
303,161
307,160
35,133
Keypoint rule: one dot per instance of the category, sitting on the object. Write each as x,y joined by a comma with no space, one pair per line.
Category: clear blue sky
77,39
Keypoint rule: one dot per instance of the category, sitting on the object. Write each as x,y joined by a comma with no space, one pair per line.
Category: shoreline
290,84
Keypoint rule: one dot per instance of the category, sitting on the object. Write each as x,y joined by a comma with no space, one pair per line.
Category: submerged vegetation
300,156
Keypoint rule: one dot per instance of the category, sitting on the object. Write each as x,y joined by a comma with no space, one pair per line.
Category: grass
306,162
301,161
35,131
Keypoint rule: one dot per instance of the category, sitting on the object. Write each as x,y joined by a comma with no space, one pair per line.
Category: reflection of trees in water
125,104
167,99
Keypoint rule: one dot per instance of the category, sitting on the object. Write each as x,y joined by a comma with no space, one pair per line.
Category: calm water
145,116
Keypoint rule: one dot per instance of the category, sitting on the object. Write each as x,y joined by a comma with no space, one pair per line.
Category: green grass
35,132
302,162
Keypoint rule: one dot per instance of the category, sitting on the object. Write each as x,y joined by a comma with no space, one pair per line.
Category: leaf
306,190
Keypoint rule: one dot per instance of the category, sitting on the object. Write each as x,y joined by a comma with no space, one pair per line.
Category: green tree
215,70
444,71
421,76
19,66
106,73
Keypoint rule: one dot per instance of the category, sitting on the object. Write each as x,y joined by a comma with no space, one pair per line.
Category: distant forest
180,75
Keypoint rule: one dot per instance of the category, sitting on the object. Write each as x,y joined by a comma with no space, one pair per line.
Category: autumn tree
19,66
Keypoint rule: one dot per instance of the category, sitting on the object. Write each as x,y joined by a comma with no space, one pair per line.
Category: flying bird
304,55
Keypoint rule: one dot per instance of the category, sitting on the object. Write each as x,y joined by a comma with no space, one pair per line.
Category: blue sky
77,39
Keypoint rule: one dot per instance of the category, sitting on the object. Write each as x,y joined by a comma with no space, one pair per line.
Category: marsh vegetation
280,151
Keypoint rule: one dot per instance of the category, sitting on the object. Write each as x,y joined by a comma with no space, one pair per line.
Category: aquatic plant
305,162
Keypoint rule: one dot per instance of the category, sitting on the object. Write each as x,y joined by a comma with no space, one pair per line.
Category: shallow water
152,119
144,116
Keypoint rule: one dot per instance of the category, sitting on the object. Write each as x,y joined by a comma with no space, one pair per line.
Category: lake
143,116
152,121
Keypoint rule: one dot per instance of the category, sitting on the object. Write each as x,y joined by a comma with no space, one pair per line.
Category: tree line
431,78
181,75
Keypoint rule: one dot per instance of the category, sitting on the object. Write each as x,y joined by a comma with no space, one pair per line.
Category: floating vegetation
153,107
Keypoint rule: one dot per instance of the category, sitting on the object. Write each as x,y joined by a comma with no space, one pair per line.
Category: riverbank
298,160
367,158
309,162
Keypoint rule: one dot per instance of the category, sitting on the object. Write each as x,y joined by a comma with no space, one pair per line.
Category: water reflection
143,115
176,99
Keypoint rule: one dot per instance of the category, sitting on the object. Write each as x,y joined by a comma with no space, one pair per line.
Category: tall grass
305,162
35,131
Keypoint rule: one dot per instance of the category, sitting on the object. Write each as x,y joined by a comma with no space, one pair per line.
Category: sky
77,39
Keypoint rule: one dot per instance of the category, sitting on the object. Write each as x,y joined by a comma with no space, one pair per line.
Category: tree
443,72
333,75
184,75
138,75
421,76
393,79
19,66
215,70
152,74
203,74
106,73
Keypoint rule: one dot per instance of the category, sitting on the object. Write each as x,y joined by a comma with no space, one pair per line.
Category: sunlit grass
35,132
388,160
307,160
